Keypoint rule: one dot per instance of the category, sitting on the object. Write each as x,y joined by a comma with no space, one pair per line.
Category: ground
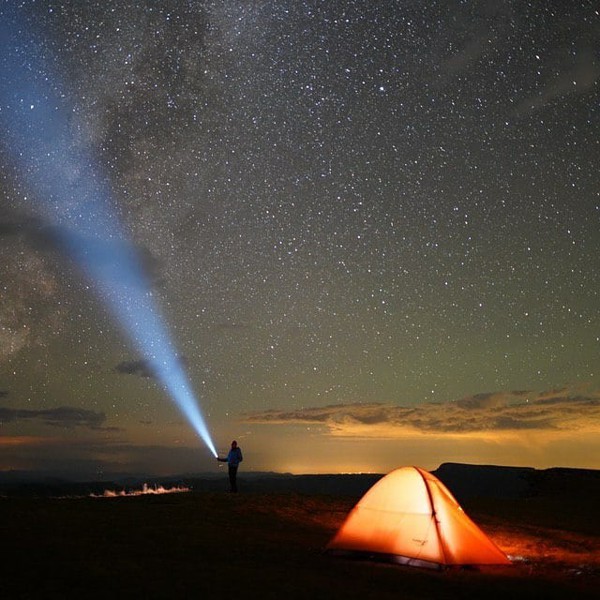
260,545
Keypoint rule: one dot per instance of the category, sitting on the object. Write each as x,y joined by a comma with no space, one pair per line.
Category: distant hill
480,481
466,481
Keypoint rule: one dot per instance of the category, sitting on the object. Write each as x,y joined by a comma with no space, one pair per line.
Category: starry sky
373,229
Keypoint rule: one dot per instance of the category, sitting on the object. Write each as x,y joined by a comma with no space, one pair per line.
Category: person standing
233,460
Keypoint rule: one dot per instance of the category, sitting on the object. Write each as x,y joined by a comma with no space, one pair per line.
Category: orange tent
410,517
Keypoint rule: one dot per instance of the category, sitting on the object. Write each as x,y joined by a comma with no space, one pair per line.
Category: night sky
373,229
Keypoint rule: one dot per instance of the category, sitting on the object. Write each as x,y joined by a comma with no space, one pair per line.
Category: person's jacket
234,458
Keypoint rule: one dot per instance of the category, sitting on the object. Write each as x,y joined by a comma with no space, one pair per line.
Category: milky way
338,203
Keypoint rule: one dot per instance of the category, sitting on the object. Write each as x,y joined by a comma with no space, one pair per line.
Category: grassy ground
208,545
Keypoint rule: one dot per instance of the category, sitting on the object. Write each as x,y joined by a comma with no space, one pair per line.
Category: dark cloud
48,238
29,312
63,416
135,367
33,257
142,367
152,266
38,234
8,229
557,410
102,252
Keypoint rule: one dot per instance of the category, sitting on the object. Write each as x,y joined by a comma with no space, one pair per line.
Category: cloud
63,416
49,239
32,230
29,312
559,410
28,441
32,259
135,367
141,367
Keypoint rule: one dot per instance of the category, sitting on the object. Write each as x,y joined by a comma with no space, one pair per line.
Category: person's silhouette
233,460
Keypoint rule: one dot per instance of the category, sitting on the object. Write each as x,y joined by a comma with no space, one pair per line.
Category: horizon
44,477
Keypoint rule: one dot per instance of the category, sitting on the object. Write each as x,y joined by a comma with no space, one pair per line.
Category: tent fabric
410,516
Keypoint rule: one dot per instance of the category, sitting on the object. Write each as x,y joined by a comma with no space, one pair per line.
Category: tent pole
434,516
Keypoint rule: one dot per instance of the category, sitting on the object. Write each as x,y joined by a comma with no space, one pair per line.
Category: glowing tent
410,517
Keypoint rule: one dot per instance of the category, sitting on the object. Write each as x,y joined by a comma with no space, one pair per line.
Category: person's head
234,444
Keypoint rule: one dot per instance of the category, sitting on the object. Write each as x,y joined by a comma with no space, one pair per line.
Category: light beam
56,161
